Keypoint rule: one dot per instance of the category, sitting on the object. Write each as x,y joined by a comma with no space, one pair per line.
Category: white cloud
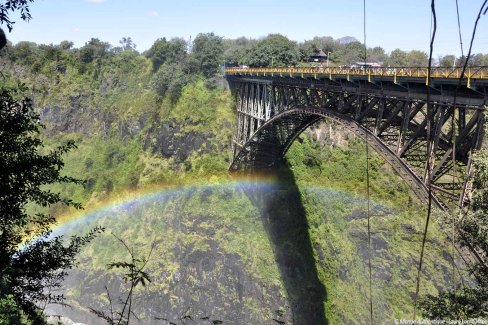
153,13
77,29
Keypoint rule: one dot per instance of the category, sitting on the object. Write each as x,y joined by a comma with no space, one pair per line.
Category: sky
391,24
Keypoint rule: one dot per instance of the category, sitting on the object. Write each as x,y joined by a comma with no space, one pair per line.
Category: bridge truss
392,117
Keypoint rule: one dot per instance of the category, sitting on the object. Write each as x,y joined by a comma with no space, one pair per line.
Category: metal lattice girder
410,134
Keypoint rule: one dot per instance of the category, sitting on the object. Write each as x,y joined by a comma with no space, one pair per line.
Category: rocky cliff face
329,134
254,253
287,255
196,270
167,139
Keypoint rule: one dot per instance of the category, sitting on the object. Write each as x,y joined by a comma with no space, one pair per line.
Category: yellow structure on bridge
396,73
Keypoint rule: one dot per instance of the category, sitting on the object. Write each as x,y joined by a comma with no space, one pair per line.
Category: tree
208,50
11,6
376,54
416,58
33,262
236,50
127,44
447,60
66,45
169,80
398,58
350,53
24,53
484,61
166,51
94,49
326,44
275,50
134,276
49,52
474,60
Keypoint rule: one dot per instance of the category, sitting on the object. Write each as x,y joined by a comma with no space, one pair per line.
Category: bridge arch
259,153
394,119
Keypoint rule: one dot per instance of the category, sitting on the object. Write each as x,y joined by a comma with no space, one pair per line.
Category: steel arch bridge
386,107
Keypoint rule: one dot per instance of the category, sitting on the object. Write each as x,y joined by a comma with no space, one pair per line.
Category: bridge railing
475,72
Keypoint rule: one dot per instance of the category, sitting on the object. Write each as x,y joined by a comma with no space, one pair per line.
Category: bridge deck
473,76
445,83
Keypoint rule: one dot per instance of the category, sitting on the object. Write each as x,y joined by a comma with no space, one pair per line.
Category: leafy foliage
236,50
275,50
465,303
162,51
447,60
169,81
350,53
127,43
134,276
398,58
29,271
94,49
416,58
208,50
11,6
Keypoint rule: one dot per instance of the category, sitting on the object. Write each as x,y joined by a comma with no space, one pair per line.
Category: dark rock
320,251
168,140
410,229
343,273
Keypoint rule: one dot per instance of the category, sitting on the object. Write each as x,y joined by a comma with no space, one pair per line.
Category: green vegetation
278,51
163,119
273,51
134,276
30,272
198,230
7,7
338,229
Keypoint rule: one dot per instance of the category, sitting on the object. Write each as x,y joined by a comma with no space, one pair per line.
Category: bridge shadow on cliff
285,221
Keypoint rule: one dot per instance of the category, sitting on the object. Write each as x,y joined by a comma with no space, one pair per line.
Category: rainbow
129,200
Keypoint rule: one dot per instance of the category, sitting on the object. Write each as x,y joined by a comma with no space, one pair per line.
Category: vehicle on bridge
365,65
